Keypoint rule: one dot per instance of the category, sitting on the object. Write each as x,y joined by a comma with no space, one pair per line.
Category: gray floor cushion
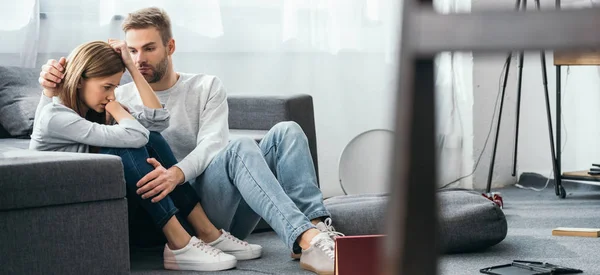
468,221
358,214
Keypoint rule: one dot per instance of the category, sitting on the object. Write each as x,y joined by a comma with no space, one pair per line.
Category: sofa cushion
19,95
13,143
468,221
34,179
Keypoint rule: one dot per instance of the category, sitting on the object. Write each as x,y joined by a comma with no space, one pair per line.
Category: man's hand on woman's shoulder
52,75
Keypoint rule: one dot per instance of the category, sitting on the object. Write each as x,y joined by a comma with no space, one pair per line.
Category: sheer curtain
33,31
454,91
19,29
202,17
341,52
334,25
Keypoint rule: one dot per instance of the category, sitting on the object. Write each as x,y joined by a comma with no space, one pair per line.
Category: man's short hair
150,17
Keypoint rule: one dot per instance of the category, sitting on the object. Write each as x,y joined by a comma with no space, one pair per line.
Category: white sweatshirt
199,127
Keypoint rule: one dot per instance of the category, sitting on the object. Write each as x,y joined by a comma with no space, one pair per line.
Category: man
238,182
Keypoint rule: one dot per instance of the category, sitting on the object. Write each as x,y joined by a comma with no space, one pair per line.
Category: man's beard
159,71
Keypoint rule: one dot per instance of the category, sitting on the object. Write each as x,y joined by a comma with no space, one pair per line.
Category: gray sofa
66,213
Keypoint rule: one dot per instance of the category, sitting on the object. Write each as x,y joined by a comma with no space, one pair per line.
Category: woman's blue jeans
180,201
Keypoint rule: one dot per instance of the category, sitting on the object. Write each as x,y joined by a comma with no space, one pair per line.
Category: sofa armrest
263,112
36,179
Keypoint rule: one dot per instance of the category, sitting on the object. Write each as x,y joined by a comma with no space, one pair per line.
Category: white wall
580,109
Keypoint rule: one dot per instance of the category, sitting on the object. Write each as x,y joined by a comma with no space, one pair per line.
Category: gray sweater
59,128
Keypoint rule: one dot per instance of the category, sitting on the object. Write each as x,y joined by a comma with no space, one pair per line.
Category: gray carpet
531,218
275,260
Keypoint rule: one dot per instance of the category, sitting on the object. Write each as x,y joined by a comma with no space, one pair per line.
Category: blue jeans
181,200
275,180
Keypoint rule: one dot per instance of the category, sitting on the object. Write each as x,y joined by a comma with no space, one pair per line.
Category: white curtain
19,29
202,17
341,52
454,94
333,25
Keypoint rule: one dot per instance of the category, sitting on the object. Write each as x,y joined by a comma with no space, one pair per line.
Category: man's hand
52,75
159,182
120,46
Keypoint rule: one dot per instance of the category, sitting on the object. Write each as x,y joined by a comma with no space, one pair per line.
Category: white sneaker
197,256
236,247
328,228
325,227
319,257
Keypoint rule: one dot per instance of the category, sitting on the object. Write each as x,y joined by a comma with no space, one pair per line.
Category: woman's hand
120,46
113,107
109,118
116,111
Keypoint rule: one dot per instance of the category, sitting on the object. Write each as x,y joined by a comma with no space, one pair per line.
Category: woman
83,116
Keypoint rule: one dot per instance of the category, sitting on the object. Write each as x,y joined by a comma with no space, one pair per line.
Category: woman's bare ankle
203,227
178,242
306,237
209,237
177,237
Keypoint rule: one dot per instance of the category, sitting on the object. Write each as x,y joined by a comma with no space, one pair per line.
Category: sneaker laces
233,238
207,248
327,246
331,230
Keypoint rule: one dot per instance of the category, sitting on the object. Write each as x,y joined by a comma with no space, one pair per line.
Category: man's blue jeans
180,201
275,180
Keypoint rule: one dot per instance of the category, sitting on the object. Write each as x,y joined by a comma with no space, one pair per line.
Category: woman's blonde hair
92,59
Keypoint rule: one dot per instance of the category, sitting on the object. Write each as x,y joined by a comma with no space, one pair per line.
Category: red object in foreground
496,198
358,255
